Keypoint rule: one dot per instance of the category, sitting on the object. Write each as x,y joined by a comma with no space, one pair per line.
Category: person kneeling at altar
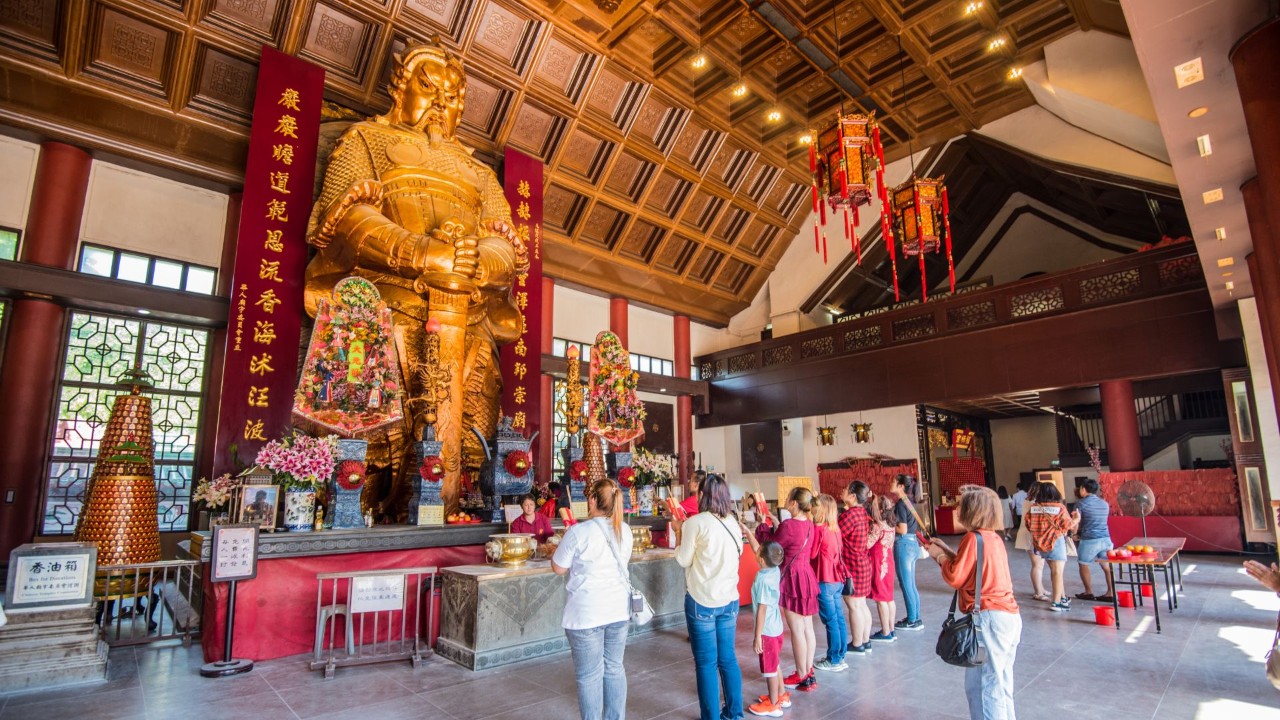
531,521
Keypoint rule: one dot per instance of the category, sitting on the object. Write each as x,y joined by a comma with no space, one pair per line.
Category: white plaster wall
651,333
578,315
131,210
18,158
1205,447
1022,445
893,433
1166,459
720,452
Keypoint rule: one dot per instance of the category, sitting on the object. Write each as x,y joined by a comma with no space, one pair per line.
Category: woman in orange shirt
989,686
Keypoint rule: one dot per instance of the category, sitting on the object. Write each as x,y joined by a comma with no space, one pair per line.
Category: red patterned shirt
854,553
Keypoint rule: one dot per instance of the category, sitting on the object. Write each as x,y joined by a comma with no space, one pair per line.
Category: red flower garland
626,476
518,463
577,470
432,468
351,475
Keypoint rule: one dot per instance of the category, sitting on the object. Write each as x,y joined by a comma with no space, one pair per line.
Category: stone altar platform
493,615
48,648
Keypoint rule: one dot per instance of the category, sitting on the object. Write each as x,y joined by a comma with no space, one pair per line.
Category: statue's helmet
428,84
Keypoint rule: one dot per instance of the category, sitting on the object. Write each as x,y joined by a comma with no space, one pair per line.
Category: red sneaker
792,680
809,684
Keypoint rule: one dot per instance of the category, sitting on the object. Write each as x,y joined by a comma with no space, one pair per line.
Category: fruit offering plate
463,522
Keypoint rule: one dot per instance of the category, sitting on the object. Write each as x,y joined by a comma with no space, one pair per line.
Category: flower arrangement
1095,458
216,493
300,462
350,380
615,412
652,469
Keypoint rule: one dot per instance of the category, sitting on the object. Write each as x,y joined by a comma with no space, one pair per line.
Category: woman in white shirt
710,544
594,555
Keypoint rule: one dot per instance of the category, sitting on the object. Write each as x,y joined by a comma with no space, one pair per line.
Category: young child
831,576
765,595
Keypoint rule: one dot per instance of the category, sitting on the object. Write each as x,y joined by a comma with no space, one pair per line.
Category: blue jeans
989,687
831,611
711,633
906,550
597,665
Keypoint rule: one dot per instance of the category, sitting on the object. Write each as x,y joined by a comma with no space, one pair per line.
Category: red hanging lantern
920,223
846,166
518,463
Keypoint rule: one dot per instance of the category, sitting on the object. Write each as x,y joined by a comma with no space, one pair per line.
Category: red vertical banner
522,359
261,365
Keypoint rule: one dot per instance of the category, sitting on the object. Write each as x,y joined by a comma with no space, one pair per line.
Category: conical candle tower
121,510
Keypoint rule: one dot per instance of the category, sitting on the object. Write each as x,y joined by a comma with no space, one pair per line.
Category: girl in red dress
532,521
880,537
799,583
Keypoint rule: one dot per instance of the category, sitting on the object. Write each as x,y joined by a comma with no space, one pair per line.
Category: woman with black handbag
988,682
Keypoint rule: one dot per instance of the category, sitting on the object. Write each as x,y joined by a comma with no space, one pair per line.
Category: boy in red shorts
765,594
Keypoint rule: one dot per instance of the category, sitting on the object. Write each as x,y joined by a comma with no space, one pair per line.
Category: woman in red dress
799,584
880,539
532,521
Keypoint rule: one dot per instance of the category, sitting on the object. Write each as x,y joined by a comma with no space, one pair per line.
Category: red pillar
1264,274
618,318
33,348
1254,59
684,403
546,412
218,339
1120,425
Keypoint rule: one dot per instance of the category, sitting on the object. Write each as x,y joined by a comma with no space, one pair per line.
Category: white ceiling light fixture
972,8
1229,285
1198,112
1226,262
1220,233
1204,146
1189,73
1212,196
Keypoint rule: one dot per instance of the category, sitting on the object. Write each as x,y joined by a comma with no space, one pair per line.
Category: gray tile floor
1207,664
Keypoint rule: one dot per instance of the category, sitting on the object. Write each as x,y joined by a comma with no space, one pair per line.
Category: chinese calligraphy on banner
522,359
267,282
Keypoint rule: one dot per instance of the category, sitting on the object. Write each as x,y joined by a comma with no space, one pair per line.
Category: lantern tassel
946,224
817,235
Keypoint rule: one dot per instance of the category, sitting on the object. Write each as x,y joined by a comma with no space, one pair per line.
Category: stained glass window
100,348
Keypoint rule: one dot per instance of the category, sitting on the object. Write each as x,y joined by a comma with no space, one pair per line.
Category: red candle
433,325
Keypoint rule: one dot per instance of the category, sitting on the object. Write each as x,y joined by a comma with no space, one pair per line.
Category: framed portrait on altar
256,505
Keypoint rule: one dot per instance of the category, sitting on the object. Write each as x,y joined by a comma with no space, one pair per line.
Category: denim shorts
1093,548
1058,553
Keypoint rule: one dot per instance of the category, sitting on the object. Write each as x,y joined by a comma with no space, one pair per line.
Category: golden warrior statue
405,206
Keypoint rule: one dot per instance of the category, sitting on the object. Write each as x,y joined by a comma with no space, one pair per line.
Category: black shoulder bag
959,644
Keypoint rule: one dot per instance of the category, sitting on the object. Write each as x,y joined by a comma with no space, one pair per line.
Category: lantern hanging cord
902,74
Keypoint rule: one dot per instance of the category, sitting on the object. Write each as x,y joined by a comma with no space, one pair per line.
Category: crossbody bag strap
912,507
977,580
622,571
736,539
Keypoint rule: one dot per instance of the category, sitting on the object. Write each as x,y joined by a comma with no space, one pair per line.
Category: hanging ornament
846,162
921,224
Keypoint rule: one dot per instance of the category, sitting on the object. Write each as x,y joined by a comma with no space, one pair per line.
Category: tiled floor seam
1214,584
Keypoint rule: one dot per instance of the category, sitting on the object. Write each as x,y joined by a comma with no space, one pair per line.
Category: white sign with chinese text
51,578
377,593
235,549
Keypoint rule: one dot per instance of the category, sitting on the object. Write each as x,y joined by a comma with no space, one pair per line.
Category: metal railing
385,615
149,602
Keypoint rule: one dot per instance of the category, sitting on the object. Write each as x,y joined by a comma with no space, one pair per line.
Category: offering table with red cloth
276,611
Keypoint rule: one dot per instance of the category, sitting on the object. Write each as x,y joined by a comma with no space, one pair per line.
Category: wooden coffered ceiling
661,185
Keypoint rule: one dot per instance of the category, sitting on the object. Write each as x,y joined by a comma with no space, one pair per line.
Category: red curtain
1197,493
877,474
954,472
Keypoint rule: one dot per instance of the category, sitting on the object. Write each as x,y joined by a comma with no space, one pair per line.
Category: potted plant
302,464
214,495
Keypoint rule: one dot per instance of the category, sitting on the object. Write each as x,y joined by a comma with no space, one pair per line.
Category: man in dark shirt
906,550
1095,536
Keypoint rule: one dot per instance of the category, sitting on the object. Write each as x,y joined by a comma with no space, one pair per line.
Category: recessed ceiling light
1227,274
1198,112
1229,285
971,8
740,90
1015,72
1226,262
1212,196
806,139
996,43
1220,233
699,62
1204,146
773,116
662,389
143,312
1189,73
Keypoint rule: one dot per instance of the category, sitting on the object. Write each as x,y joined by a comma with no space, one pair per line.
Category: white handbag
637,605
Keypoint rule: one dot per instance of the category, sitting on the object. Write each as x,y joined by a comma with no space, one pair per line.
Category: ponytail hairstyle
860,492
608,497
826,514
802,497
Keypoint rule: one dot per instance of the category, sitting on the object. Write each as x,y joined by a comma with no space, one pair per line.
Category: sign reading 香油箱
271,254
51,575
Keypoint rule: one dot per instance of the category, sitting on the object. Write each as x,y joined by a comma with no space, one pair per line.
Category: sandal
1104,599
1085,596
1041,596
